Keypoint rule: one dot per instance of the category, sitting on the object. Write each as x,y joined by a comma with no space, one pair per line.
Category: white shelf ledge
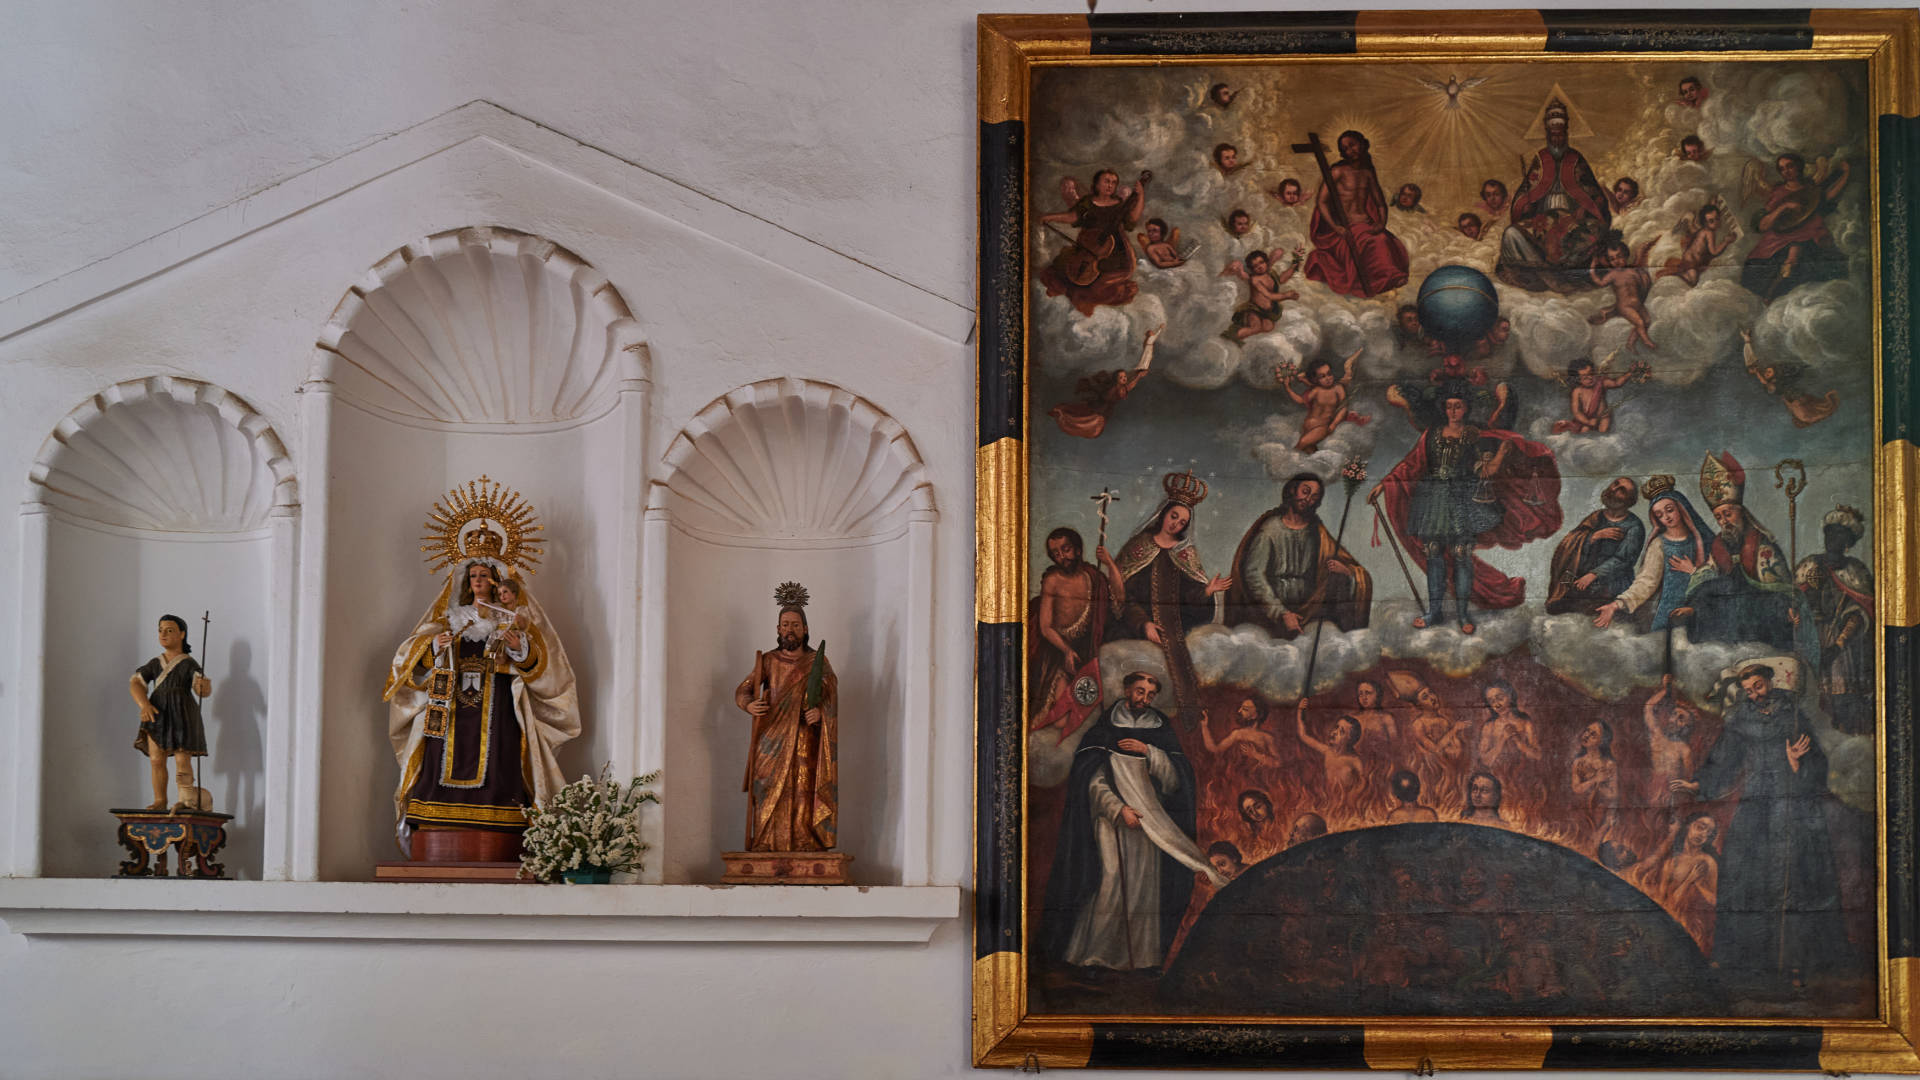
70,907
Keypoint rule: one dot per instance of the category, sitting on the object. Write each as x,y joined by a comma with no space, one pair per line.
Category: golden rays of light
1448,143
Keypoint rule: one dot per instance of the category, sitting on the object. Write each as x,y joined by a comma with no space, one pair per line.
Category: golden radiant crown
482,520
790,594
1184,488
1657,486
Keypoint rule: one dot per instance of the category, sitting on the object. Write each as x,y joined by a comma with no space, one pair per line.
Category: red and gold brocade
792,779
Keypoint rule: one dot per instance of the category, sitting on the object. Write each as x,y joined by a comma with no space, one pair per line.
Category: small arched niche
790,479
479,350
158,496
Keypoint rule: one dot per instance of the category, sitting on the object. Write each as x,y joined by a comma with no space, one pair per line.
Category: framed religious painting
1446,582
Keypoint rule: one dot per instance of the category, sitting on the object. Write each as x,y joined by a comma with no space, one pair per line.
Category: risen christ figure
1353,253
792,781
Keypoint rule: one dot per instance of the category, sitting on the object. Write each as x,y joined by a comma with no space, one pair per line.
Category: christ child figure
1245,737
1587,410
511,617
1325,399
1624,270
1701,229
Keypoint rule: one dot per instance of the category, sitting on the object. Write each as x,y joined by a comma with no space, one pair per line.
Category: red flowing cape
1528,488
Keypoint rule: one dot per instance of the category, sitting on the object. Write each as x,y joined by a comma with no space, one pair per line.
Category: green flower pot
587,875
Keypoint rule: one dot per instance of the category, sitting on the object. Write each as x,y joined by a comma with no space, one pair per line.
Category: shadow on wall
237,762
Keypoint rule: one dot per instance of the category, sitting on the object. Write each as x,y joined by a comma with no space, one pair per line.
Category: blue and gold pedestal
196,835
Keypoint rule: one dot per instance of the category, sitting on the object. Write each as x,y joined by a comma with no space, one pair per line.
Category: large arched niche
789,479
480,350
158,496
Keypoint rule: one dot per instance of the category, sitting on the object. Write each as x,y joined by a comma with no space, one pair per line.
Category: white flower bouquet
589,825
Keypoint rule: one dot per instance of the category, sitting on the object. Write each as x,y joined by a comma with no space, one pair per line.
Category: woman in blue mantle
1678,551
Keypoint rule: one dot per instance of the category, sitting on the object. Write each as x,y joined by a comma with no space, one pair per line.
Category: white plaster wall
849,123
106,594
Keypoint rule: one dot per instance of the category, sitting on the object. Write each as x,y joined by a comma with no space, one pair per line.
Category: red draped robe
1362,258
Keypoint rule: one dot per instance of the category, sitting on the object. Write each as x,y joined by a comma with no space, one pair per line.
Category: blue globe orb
1458,305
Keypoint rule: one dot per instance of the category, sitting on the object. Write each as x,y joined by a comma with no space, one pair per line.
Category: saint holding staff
168,688
792,780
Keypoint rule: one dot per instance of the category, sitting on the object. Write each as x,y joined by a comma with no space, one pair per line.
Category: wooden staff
206,620
1353,474
1394,543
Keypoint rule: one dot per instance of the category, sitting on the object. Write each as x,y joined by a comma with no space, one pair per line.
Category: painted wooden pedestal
194,834
786,867
456,855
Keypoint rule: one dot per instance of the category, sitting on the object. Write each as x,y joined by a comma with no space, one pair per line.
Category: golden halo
505,528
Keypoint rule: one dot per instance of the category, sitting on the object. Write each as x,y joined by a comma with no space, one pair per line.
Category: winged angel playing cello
480,694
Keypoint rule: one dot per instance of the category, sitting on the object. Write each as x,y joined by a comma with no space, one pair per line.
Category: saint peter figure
1595,562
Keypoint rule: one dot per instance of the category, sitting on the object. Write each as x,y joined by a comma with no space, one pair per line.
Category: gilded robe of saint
792,780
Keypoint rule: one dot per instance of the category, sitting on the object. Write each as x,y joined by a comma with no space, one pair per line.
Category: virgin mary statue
480,694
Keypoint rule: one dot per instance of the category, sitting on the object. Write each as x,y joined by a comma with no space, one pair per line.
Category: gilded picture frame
1064,99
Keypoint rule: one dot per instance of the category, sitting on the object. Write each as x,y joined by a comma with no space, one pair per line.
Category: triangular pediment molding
483,121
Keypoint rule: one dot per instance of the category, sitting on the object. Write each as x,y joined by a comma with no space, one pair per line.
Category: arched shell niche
789,479
159,496
480,350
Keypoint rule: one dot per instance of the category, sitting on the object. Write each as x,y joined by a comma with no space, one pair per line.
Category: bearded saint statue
793,779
